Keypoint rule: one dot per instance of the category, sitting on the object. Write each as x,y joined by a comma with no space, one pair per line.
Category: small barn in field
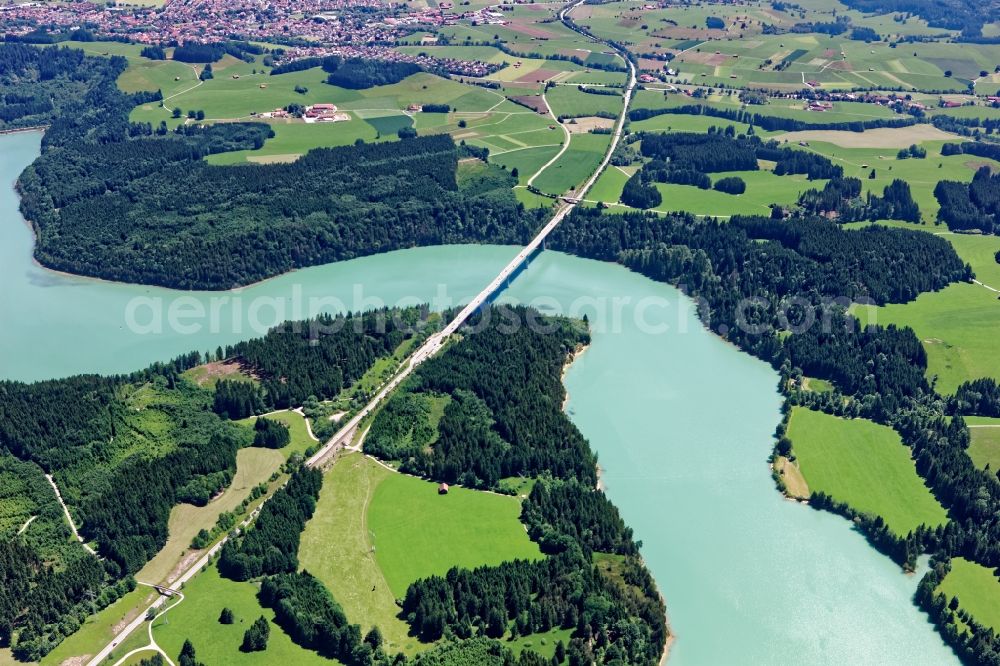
443,489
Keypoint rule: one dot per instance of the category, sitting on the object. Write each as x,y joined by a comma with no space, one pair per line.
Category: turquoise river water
681,420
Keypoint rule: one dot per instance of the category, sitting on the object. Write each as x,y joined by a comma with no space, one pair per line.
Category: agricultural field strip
568,136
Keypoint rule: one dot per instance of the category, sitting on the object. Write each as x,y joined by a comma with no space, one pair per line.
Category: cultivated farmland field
576,164
865,465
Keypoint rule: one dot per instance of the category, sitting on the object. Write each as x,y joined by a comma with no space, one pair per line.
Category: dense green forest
124,450
135,203
38,85
317,358
180,222
801,275
504,414
358,73
973,206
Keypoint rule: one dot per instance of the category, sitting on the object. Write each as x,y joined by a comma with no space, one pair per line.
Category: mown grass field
984,449
581,159
419,533
763,188
197,619
253,466
977,589
865,465
336,547
569,101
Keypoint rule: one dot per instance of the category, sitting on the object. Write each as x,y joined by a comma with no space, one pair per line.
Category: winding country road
431,346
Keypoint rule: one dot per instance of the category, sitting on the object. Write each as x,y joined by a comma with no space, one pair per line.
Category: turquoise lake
681,420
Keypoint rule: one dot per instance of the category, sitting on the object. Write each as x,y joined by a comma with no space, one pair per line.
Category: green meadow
977,589
581,159
984,449
569,101
336,547
197,619
865,465
418,532
763,188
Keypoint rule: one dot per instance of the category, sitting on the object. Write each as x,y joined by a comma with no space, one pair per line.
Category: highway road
434,343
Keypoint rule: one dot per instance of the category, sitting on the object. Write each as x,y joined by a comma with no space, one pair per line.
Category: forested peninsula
134,203
613,612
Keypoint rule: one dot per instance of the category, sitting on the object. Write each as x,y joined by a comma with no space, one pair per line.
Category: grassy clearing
253,466
298,138
865,465
337,549
957,326
984,449
763,188
419,533
197,619
543,644
977,589
791,476
296,428
208,375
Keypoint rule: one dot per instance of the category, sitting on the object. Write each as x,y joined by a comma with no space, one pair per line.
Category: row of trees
766,122
271,545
